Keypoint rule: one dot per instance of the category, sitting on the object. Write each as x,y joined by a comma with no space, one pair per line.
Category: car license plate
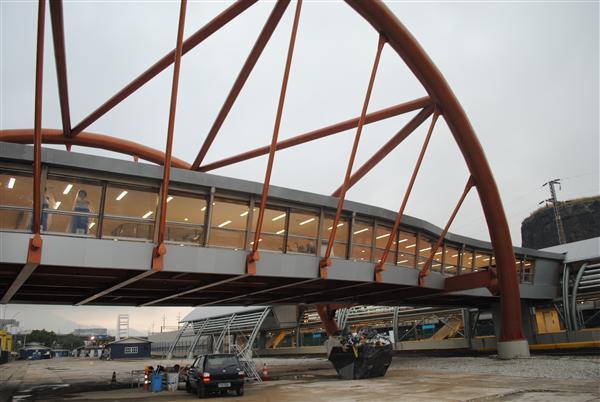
224,384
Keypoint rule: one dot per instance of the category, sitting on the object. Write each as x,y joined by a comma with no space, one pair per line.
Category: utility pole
557,219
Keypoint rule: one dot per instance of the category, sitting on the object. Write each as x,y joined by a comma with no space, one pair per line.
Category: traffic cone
113,380
265,372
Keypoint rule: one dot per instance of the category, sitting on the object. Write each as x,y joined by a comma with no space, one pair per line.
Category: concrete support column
517,348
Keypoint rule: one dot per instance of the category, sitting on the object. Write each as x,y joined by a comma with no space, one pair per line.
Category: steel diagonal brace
425,271
254,255
161,249
325,262
380,267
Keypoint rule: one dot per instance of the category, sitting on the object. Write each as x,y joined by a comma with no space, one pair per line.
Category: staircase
450,328
244,355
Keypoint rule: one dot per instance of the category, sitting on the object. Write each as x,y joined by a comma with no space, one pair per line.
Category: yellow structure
547,321
5,341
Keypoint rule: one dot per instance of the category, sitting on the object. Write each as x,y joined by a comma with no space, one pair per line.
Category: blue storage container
157,383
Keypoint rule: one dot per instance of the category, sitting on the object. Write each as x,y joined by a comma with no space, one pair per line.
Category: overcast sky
527,74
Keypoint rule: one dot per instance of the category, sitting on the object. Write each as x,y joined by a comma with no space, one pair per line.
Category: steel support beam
92,140
193,290
254,255
487,278
160,250
380,267
388,147
58,34
34,249
372,117
257,49
195,39
115,287
325,262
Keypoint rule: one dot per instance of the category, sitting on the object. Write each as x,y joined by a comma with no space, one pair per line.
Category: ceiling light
478,256
422,262
382,236
68,189
411,245
401,262
11,182
147,214
203,209
244,213
120,196
306,221
281,231
436,265
363,251
169,198
362,230
278,217
402,241
224,224
91,225
425,249
438,253
527,264
454,255
57,204
338,225
186,219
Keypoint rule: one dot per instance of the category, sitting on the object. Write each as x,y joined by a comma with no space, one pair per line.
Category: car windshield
220,362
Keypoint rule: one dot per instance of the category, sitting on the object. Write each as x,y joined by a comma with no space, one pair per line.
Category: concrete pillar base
513,349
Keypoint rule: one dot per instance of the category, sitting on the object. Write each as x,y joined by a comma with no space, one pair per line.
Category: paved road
409,379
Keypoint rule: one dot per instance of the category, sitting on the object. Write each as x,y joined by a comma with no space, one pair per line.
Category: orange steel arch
407,47
93,140
441,100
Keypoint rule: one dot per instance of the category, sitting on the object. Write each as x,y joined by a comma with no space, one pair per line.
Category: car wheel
240,391
200,391
188,387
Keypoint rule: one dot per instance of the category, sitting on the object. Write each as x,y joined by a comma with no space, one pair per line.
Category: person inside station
79,224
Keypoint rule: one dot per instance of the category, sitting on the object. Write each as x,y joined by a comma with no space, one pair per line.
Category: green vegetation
53,340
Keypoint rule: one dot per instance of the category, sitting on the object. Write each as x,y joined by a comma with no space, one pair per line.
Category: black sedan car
215,373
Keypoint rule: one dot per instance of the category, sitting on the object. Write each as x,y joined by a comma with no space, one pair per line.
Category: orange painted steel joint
254,255
325,262
425,271
161,249
380,267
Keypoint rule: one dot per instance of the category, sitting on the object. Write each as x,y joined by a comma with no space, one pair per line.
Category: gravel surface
562,367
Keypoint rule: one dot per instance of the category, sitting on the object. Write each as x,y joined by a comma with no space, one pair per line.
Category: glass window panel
16,189
390,258
341,233
304,224
127,229
186,209
12,219
268,242
519,270
301,245
273,221
184,234
467,261
362,233
425,249
228,214
451,255
134,203
482,261
339,250
227,238
407,242
361,253
382,235
528,270
65,194
406,259
79,225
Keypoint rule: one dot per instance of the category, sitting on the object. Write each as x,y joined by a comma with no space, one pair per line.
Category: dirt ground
411,378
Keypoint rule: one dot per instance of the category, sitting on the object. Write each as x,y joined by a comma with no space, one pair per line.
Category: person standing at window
79,224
